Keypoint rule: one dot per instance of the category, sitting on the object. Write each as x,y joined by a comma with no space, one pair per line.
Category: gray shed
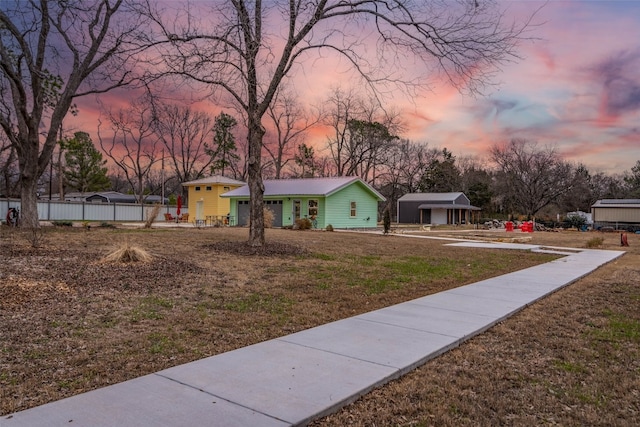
617,213
435,208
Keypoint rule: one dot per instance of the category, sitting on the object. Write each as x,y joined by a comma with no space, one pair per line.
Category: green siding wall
338,208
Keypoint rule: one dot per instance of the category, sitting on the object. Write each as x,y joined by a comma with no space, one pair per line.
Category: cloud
620,84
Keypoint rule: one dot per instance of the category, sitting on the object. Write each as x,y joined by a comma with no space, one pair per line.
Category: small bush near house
329,227
303,224
269,218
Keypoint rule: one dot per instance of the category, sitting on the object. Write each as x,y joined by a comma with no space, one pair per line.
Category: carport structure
435,208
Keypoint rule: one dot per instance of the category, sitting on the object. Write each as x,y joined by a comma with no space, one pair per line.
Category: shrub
35,237
151,215
595,242
269,217
386,220
329,227
576,221
303,224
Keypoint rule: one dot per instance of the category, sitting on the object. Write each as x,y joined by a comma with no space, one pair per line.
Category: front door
297,210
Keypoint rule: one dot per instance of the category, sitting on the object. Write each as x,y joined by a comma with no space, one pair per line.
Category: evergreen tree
224,151
85,169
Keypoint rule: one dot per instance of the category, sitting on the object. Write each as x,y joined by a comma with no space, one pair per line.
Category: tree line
155,145
240,55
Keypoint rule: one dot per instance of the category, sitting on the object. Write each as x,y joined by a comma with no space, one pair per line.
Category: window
208,188
353,210
226,188
313,208
197,188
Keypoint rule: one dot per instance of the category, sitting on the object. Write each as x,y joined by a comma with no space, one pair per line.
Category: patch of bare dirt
269,249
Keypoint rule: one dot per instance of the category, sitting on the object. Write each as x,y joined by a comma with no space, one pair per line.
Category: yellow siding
213,204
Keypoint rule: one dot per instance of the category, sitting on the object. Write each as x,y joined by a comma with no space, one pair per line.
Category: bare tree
531,177
186,135
344,106
52,52
132,145
290,123
247,48
402,170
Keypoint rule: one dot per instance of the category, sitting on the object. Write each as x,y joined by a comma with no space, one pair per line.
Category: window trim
353,209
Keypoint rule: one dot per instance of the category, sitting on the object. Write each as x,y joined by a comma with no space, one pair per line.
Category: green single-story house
342,202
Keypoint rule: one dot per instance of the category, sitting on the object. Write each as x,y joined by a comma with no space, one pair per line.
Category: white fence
53,210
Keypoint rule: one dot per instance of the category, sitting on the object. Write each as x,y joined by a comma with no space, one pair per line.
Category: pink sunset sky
577,87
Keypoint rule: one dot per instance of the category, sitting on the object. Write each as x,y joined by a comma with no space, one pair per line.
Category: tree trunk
29,201
256,186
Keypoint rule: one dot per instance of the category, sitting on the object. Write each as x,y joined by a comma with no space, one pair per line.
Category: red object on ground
508,226
623,239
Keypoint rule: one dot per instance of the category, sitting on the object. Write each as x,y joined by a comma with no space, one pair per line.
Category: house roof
431,197
443,206
305,187
617,203
214,179
116,197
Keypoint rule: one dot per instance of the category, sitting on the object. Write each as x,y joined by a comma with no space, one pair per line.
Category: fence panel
52,210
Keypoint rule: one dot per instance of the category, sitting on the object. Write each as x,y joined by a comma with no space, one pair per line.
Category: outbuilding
204,197
342,202
616,213
435,208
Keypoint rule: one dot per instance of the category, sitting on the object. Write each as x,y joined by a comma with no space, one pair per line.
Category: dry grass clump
595,242
128,253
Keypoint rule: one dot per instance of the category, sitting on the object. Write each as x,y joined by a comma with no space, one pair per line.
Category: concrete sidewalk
303,376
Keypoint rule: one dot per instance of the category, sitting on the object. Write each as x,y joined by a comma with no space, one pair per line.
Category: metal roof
214,179
451,206
431,197
617,203
304,187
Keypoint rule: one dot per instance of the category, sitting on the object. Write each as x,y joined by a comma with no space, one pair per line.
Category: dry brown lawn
71,320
